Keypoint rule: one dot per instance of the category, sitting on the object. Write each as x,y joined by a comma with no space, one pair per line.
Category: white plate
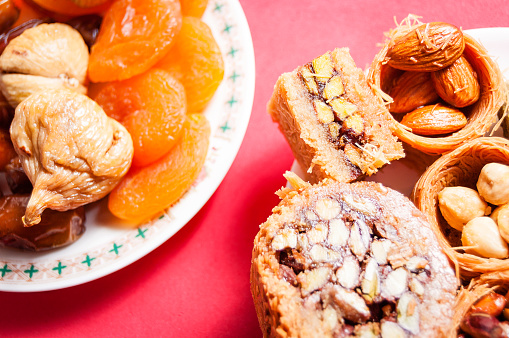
105,247
402,175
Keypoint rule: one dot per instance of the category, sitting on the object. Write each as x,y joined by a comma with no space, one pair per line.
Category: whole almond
412,90
428,47
457,84
435,119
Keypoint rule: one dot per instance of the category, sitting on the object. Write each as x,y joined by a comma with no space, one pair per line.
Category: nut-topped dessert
334,124
338,259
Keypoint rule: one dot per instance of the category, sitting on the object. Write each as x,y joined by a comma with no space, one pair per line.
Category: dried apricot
152,107
7,151
134,36
196,61
146,192
68,7
90,3
194,8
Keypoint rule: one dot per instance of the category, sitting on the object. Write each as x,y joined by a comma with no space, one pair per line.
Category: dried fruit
70,149
196,61
434,120
9,13
7,37
412,90
7,152
428,47
68,7
457,84
88,26
146,192
55,230
46,56
194,8
152,107
134,36
90,3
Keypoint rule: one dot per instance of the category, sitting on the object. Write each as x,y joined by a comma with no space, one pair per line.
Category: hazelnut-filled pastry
337,128
338,259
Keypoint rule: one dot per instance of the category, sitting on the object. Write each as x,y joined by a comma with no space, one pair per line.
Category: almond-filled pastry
343,259
337,128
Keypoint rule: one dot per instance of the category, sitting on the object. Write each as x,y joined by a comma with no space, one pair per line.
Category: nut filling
342,120
350,259
339,117
334,255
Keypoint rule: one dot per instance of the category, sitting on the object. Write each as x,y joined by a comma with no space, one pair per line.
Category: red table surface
197,283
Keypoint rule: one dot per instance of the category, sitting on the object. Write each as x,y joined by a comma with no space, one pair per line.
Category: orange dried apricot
89,3
7,151
194,8
146,192
196,61
152,107
134,36
68,7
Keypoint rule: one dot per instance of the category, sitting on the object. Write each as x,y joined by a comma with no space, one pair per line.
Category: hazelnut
46,56
501,217
493,183
459,205
482,236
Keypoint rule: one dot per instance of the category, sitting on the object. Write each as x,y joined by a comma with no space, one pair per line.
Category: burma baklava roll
337,259
336,127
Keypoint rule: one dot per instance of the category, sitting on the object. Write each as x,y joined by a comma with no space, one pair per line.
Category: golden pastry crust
354,137
336,259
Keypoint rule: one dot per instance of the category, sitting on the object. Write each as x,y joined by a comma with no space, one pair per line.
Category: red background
197,283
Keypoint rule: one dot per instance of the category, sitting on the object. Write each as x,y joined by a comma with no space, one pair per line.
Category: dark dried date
88,26
9,13
55,230
18,30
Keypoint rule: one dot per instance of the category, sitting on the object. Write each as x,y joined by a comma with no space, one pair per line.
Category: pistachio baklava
337,128
337,259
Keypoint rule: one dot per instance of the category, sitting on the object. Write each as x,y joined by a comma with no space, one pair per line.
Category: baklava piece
335,125
359,259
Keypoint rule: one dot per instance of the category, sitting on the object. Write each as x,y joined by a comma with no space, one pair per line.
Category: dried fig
46,56
72,152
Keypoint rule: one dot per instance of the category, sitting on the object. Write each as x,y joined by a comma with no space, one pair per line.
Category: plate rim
232,10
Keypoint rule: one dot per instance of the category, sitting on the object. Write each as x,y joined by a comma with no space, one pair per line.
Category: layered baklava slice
335,125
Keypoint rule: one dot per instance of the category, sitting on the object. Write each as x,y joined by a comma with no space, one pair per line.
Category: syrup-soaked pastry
57,228
337,259
337,128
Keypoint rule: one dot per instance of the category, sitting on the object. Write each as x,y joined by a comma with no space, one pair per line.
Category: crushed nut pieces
344,251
